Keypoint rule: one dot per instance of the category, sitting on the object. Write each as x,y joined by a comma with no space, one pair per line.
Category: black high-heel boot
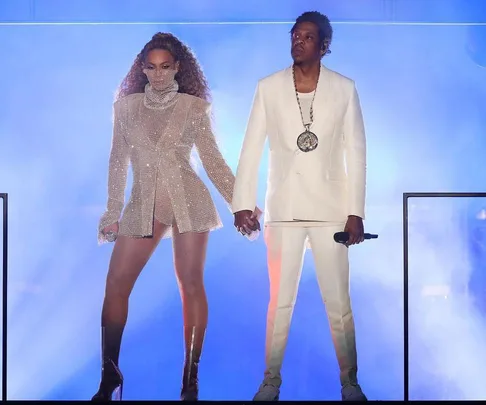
111,384
190,384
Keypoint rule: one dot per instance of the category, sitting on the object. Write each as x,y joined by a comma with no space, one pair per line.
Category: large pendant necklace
307,141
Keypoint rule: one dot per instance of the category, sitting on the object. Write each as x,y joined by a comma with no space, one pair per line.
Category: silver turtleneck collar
160,99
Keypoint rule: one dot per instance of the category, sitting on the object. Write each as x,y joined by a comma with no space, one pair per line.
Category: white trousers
286,247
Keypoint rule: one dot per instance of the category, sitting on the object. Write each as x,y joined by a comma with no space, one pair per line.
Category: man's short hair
322,22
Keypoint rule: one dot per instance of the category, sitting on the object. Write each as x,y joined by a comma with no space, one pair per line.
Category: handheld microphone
342,237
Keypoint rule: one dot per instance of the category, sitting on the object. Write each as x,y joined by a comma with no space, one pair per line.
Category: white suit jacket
327,184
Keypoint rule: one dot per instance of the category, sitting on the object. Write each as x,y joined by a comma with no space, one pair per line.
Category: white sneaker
352,392
267,392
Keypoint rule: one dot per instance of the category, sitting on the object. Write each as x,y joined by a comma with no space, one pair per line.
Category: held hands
247,222
354,226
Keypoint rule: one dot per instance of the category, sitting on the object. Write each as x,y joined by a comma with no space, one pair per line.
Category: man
316,187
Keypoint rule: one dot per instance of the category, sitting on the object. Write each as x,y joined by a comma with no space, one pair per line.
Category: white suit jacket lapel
291,109
323,110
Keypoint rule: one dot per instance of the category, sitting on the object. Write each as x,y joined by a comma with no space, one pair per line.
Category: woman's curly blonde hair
190,76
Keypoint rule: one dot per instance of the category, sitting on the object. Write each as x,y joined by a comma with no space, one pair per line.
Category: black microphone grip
342,237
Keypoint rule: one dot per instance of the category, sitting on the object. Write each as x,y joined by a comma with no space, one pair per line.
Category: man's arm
355,153
246,182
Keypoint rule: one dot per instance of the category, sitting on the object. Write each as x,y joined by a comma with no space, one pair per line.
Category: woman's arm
117,172
213,161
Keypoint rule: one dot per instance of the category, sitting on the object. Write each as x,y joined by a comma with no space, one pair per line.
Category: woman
160,113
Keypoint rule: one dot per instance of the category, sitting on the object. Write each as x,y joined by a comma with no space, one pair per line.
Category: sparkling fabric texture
155,132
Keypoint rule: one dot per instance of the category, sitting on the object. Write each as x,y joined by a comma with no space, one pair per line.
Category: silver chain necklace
307,141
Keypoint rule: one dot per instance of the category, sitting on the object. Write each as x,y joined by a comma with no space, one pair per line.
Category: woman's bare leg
189,257
127,262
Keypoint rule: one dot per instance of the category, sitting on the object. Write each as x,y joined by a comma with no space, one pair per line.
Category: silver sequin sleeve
213,161
117,173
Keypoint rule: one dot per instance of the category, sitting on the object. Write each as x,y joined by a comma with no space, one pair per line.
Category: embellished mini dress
155,133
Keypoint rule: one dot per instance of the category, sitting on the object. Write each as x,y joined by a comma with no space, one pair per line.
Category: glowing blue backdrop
423,93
